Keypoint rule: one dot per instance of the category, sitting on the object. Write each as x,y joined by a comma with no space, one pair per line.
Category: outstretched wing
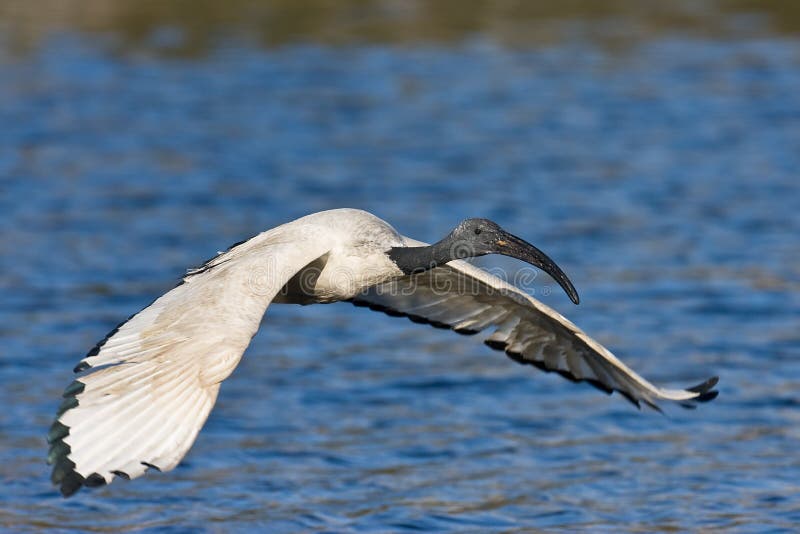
151,383
469,300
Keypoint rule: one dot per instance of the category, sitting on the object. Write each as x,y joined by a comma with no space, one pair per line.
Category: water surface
663,178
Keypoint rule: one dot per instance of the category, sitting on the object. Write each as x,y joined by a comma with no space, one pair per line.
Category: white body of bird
148,387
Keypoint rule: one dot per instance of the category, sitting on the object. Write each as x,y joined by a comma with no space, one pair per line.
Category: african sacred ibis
147,388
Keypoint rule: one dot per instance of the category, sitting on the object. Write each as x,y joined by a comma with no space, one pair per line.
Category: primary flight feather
146,390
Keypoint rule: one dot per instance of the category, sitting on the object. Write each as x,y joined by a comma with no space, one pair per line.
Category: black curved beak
511,245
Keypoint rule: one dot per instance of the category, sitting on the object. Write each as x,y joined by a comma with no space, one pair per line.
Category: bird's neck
420,259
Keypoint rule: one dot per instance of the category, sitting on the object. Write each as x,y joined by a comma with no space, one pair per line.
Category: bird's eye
478,231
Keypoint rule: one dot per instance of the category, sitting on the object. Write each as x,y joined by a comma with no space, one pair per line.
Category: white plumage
148,388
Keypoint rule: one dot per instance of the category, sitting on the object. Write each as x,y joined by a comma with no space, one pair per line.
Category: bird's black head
474,237
478,237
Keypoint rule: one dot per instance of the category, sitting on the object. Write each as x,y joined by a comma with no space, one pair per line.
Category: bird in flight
145,390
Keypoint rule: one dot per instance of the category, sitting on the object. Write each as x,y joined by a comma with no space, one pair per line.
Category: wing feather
469,300
149,385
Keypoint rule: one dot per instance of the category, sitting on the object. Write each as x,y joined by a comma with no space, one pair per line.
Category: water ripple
663,179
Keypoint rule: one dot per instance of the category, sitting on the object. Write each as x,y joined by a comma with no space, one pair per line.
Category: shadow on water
663,179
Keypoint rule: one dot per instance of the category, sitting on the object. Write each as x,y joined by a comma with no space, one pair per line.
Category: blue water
662,178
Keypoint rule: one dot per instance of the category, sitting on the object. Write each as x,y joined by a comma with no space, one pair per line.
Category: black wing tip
704,387
709,396
70,398
71,483
630,398
599,385
466,331
58,431
94,480
75,388
151,466
705,392
419,319
82,366
121,474
495,344
64,474
67,404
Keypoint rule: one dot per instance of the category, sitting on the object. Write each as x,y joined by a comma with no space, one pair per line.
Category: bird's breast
343,277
